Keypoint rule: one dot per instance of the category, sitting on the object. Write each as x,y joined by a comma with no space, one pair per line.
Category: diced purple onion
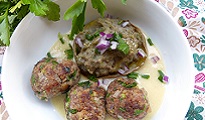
103,44
124,24
79,42
141,53
114,45
102,34
155,59
121,71
166,79
98,83
105,36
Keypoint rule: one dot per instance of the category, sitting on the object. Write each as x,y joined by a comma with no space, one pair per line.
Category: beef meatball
85,101
51,78
106,46
124,100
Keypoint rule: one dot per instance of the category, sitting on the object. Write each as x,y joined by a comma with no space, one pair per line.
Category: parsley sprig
13,11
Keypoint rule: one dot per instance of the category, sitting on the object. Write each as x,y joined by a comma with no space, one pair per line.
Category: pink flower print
193,41
186,33
189,13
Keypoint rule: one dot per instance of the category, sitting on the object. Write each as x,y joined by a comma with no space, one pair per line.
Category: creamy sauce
153,86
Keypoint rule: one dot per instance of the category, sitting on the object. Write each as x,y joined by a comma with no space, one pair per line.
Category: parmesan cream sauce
153,86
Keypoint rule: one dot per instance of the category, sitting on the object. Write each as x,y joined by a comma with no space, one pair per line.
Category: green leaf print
194,113
188,4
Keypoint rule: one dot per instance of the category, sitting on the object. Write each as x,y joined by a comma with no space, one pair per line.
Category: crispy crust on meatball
124,100
51,78
85,101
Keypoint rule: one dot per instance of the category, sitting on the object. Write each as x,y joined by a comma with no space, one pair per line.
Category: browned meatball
106,46
124,100
85,101
51,78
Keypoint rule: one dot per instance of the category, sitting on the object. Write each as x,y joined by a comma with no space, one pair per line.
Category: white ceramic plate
34,37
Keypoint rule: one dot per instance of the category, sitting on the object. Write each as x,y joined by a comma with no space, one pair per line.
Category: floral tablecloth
190,15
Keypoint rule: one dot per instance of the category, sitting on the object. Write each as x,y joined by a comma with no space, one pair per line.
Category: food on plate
125,100
109,46
51,78
85,101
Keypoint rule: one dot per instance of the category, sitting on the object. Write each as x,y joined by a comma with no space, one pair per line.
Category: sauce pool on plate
152,85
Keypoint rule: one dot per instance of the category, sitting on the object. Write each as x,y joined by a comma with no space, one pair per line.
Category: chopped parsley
89,37
73,111
150,42
133,75
85,84
93,78
122,109
131,85
107,95
49,55
145,76
69,52
61,38
161,75
138,112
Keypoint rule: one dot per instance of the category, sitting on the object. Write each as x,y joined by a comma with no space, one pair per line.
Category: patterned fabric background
190,15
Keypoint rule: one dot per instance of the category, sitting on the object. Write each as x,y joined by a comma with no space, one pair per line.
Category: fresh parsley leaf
18,5
78,23
122,109
99,5
4,28
131,85
124,2
85,84
53,11
161,75
37,7
75,10
145,76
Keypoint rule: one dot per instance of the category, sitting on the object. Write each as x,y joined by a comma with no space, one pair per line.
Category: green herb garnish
161,75
69,52
73,111
150,42
122,46
89,37
122,109
33,80
61,38
93,78
85,84
138,112
49,55
131,85
107,95
133,75
145,76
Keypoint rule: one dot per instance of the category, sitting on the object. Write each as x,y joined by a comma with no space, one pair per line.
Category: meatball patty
106,46
85,101
124,100
51,78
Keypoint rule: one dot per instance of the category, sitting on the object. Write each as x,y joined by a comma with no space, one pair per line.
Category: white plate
34,37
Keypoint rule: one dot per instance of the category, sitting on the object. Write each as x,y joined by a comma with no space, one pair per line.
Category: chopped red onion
121,71
124,24
98,83
141,53
155,59
166,79
114,45
79,42
105,36
102,34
